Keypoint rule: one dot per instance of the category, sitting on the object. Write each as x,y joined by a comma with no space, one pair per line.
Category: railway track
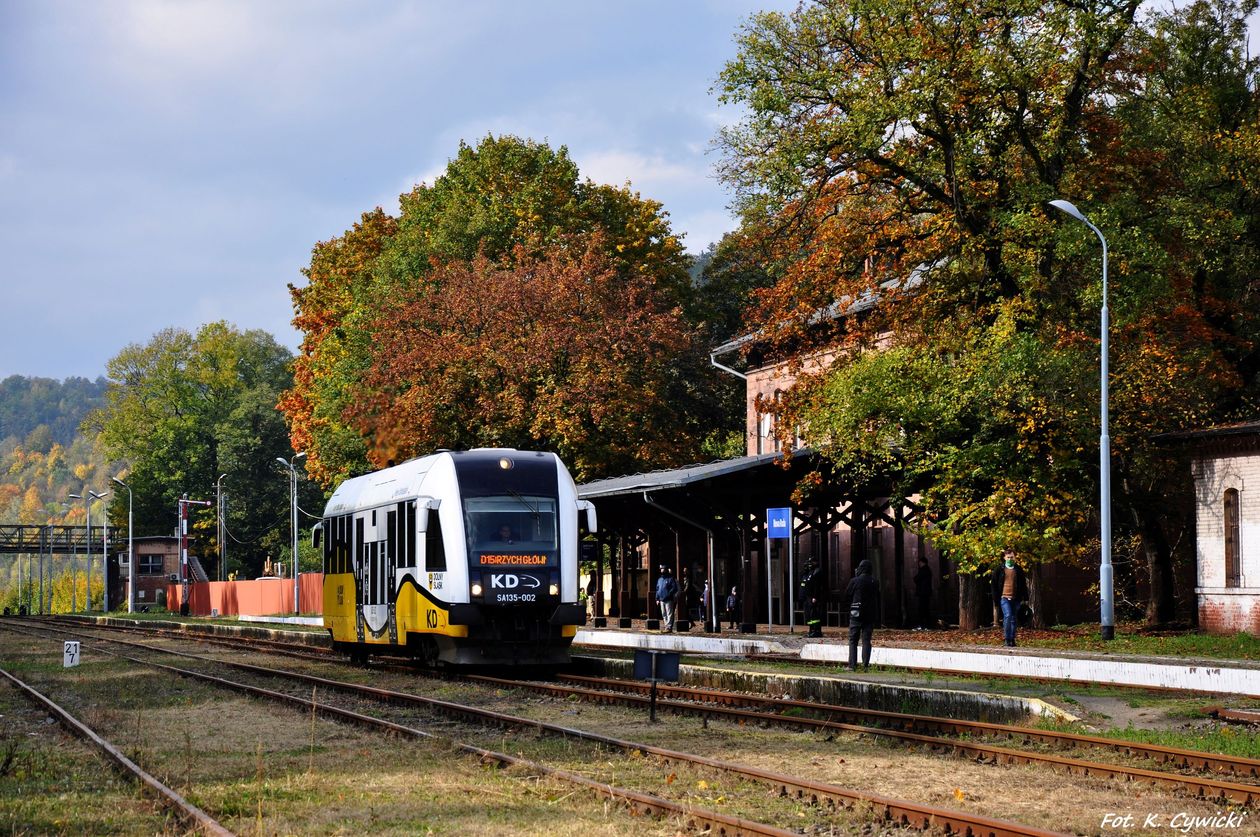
1237,766
918,730
899,812
187,812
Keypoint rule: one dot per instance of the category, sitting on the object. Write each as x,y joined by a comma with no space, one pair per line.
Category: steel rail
1203,788
169,797
895,810
1186,759
1196,759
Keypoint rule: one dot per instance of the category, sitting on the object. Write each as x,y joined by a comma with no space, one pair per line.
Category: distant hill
29,405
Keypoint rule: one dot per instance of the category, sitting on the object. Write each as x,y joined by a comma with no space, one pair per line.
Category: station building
1225,463
709,522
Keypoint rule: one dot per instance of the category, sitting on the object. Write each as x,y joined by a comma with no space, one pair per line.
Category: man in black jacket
812,598
863,596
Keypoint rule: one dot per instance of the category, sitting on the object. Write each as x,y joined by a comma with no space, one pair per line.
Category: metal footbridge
53,540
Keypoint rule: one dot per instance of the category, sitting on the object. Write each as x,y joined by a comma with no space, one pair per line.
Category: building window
1233,560
149,564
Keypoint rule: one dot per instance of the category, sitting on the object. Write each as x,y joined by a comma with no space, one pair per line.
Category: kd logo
504,581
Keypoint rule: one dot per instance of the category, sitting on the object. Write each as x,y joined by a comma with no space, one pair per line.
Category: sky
172,162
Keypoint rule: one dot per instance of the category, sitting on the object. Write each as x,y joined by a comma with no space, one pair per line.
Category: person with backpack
666,595
863,596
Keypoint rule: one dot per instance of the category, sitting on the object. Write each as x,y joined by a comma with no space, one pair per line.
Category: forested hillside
43,458
58,407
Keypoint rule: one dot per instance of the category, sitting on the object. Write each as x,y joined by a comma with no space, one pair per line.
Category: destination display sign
514,560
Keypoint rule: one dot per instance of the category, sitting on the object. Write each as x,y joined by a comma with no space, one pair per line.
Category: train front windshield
516,524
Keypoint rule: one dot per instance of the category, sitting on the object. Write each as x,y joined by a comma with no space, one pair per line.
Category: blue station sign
778,523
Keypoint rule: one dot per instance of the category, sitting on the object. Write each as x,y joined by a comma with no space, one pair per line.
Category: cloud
647,173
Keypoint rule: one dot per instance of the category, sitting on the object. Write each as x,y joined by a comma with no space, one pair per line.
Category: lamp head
74,496
1069,209
298,455
120,482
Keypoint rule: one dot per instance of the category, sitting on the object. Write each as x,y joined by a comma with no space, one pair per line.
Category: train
456,558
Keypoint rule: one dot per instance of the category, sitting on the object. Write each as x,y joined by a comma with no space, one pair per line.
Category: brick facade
1227,465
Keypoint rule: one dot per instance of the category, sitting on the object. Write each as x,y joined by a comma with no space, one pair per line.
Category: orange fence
260,597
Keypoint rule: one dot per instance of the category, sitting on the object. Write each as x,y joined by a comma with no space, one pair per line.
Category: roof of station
679,477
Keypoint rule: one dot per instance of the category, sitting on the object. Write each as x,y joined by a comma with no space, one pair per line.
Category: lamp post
74,562
131,556
292,466
1104,444
87,598
220,528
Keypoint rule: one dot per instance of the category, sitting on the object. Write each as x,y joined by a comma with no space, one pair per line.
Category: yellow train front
460,557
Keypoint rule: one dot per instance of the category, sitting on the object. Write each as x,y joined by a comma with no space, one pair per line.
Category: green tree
184,409
503,201
905,150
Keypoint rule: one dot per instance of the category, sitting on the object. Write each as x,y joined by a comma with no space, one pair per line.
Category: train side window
409,532
327,552
343,544
392,546
434,547
361,555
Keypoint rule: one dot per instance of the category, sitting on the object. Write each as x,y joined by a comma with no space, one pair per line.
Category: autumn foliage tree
557,351
465,321
906,149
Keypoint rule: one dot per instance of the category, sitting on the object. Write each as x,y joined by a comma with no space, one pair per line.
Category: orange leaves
560,351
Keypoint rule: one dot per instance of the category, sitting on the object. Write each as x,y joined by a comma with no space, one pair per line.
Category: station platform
933,654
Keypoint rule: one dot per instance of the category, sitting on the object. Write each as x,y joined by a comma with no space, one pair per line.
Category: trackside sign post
779,527
71,656
656,666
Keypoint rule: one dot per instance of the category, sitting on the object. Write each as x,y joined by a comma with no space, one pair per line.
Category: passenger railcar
461,557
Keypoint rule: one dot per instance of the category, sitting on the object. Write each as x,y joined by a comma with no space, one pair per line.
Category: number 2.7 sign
71,654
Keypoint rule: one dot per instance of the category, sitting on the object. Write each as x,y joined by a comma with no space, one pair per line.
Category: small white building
1225,463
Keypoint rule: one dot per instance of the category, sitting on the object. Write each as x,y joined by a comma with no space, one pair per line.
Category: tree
183,409
906,150
503,203
556,352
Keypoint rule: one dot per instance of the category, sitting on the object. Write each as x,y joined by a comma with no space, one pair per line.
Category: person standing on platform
683,603
666,594
863,596
706,601
1010,590
923,594
732,608
812,598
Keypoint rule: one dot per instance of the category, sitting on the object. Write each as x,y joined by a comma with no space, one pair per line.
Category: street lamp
104,558
1104,444
74,566
87,603
131,555
291,465
220,528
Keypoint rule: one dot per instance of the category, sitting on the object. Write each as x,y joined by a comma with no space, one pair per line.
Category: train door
373,575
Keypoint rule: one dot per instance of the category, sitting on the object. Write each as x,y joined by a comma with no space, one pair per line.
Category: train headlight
476,588
554,589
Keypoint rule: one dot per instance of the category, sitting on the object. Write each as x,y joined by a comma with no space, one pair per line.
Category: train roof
399,482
